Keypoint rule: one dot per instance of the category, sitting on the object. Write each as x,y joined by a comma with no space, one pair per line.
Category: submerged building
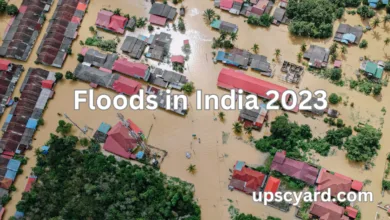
9,76
318,56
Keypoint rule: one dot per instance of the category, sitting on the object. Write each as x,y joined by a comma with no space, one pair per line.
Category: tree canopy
75,184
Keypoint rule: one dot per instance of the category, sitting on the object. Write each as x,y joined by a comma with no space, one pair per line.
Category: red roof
328,211
133,69
81,6
23,9
351,212
84,51
272,185
119,141
232,79
357,185
134,127
117,23
2,212
226,4
30,181
337,63
4,64
5,183
48,84
297,169
177,59
155,19
103,18
252,178
336,183
76,20
126,86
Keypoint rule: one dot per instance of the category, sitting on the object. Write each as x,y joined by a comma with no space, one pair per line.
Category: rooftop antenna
84,130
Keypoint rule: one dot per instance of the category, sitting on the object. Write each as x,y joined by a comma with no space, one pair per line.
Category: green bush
363,44
365,12
334,99
12,10
335,74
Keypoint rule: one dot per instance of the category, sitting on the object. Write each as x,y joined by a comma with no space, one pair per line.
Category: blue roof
13,165
385,2
239,165
140,155
220,56
373,5
19,214
32,123
45,148
373,1
8,120
349,37
216,24
104,128
10,174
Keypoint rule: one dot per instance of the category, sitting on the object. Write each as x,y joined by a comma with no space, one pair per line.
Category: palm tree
248,130
303,47
223,35
233,36
299,57
387,41
344,49
255,48
208,15
237,127
277,53
117,11
376,22
386,19
191,169
221,116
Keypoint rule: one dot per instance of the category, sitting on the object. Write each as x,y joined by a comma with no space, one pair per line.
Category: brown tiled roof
328,211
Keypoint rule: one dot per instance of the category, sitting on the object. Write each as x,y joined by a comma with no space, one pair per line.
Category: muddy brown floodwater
212,158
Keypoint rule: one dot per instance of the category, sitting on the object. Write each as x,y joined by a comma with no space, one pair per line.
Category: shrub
3,6
365,12
363,44
80,58
377,89
335,74
334,99
59,76
12,10
150,27
188,88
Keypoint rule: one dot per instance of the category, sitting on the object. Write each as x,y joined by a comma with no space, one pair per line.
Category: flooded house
293,168
178,59
61,32
272,185
260,64
95,58
9,76
245,179
102,132
108,21
133,47
161,13
337,183
318,56
234,59
167,79
161,98
348,35
293,72
373,70
159,46
133,69
280,16
224,26
19,37
254,118
131,25
233,79
257,8
327,211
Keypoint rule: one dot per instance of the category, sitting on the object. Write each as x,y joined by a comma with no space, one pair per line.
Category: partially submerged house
102,132
167,79
327,211
61,32
224,26
159,46
245,179
336,183
318,56
234,59
108,21
161,99
136,70
95,58
348,35
260,64
233,79
236,7
372,69
161,13
134,47
257,8
273,184
254,118
280,16
19,38
293,72
124,139
293,168
178,59
9,76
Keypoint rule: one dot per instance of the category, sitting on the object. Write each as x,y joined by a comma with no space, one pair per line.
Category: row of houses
61,32
9,76
8,171
23,30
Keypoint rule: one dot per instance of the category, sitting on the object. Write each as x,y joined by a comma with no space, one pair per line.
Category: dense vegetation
314,18
105,45
265,20
86,184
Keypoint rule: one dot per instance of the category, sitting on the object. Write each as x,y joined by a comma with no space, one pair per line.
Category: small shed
337,64
104,127
45,150
177,59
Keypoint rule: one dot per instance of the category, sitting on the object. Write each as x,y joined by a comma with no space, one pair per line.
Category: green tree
363,147
299,57
255,48
365,12
188,88
386,19
117,11
387,41
344,49
59,76
63,127
248,130
221,116
84,142
237,127
69,75
335,74
334,99
363,44
191,169
3,6
12,10
303,47
80,58
209,15
233,36
92,29
277,53
377,89
375,23
181,25
69,51
150,28
41,121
